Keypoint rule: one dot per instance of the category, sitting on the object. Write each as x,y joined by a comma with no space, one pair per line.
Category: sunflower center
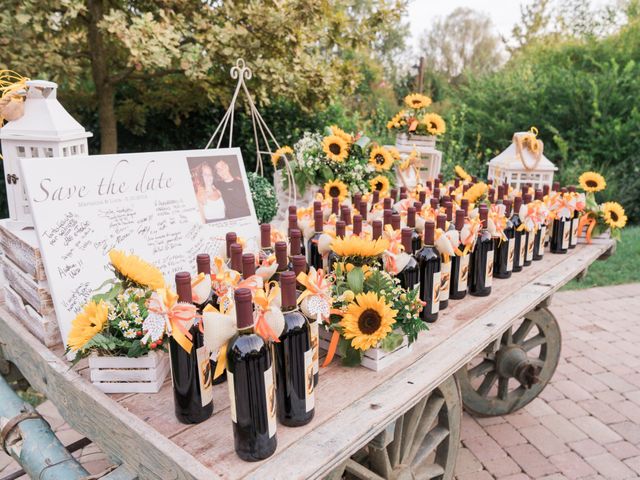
380,159
369,321
614,216
432,125
334,192
378,185
334,148
416,102
591,183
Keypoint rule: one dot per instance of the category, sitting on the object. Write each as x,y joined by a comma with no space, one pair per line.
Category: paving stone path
584,425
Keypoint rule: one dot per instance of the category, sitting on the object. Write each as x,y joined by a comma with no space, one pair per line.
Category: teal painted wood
40,453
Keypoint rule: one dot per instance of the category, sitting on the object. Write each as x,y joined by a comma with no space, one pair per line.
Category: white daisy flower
123,325
133,308
131,333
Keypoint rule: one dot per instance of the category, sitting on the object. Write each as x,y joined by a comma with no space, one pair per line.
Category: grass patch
622,267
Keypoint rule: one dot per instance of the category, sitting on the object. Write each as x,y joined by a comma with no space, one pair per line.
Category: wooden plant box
129,375
43,327
420,142
23,249
375,358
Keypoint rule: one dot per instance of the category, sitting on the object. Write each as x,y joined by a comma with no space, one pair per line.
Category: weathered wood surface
44,327
34,292
353,404
23,248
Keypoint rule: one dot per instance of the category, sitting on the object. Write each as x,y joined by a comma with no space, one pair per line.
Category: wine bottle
315,257
363,210
504,247
317,206
459,264
416,239
445,268
357,225
293,225
282,259
528,256
236,257
190,371
375,198
410,275
335,206
299,265
422,196
395,221
230,239
376,229
481,262
294,361
435,204
295,242
575,220
356,199
266,250
393,194
560,233
345,214
386,216
541,233
248,265
252,392
428,260
387,203
341,230
519,244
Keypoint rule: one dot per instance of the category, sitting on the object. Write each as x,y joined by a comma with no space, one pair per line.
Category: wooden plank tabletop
352,404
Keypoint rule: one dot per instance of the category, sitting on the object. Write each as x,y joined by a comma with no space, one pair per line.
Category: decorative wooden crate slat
43,327
23,248
129,375
34,292
375,358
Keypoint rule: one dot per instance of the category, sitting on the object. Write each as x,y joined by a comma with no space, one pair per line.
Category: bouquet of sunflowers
116,322
338,162
415,119
370,309
597,218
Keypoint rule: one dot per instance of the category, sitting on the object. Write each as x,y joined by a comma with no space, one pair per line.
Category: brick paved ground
585,424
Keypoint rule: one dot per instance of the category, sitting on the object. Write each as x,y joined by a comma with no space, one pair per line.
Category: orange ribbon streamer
263,301
180,316
586,220
333,346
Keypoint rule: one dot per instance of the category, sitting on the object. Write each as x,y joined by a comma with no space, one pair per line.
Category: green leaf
355,280
391,342
351,357
135,350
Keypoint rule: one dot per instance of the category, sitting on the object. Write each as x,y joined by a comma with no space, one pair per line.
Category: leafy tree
534,21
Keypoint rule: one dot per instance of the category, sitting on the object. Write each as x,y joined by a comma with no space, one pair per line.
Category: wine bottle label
511,252
488,274
530,245
435,294
232,396
523,249
543,234
463,273
445,281
566,232
270,397
313,327
309,391
205,375
574,231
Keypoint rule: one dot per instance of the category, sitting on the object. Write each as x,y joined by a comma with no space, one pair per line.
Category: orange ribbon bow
179,316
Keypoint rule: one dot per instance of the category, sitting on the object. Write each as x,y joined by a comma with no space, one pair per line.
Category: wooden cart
493,354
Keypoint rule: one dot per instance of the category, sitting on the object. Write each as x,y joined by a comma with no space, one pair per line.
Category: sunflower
335,147
337,189
462,173
592,182
355,246
396,121
89,322
136,270
394,153
367,320
614,215
417,100
380,183
347,267
475,192
338,132
434,124
381,159
279,155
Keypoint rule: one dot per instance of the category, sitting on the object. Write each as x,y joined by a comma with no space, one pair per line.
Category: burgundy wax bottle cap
395,221
436,193
539,195
441,221
484,214
230,239
429,185
429,232
363,210
449,211
422,196
500,192
293,210
456,182
460,215
288,289
318,220
244,308
376,196
490,181
492,194
556,186
357,224
411,217
203,260
183,287
465,204
236,257
295,240
299,264
451,190
517,203
356,199
386,216
345,214
418,206
441,176
526,198
466,187
403,189
293,221
386,203
444,199
434,203
507,207
321,192
341,228
403,195
572,188
248,265
335,206
563,190
394,194
436,183
407,234
474,179
317,205
281,256
545,190
376,228
265,235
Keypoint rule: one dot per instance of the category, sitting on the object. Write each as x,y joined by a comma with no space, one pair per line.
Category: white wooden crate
129,375
375,358
43,327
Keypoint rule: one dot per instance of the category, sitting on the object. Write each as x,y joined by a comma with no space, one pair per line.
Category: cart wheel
423,443
511,372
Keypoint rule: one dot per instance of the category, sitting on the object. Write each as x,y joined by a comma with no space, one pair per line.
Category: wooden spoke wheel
421,444
511,372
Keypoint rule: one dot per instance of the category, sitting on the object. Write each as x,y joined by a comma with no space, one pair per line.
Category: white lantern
45,130
522,162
